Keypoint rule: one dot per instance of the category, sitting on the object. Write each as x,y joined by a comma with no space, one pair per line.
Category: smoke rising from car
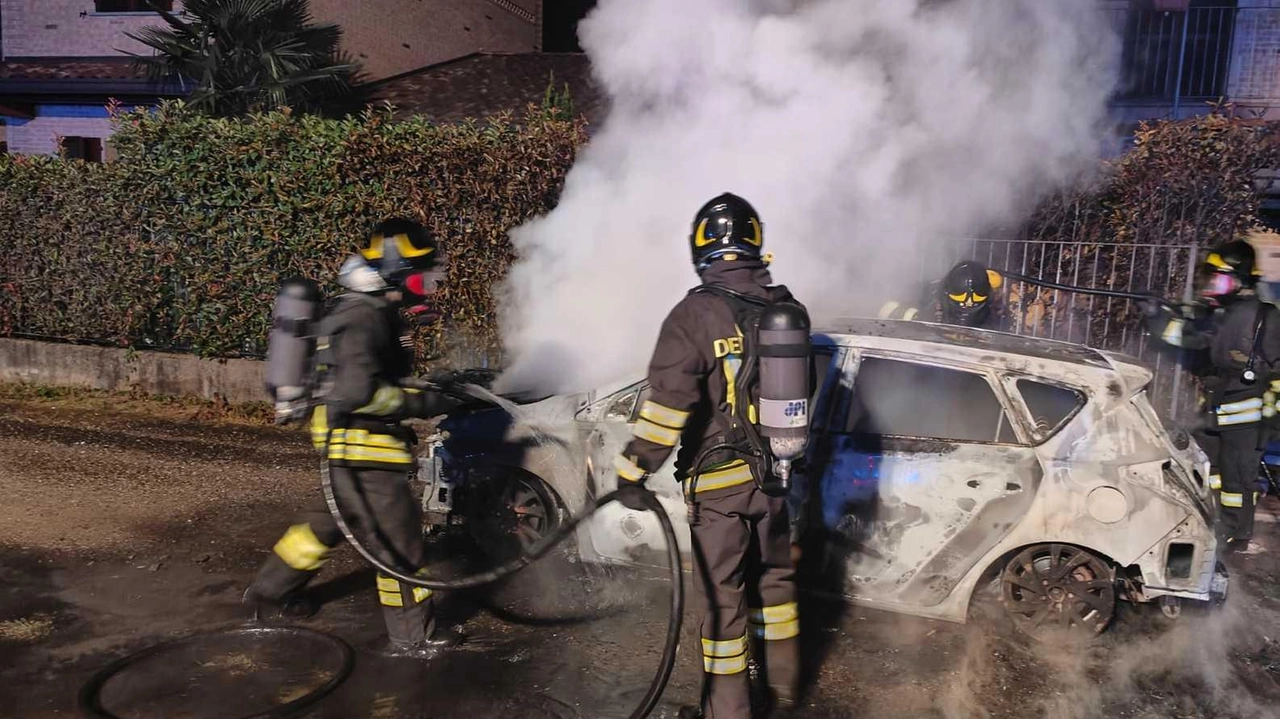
862,132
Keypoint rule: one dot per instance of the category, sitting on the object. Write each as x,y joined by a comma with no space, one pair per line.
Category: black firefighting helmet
405,255
1229,268
966,294
726,228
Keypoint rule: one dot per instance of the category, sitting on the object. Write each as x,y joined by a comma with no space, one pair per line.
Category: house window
132,5
88,149
904,399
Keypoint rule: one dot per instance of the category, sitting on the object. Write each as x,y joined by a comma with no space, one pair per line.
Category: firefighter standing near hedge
369,452
963,297
693,403
1237,341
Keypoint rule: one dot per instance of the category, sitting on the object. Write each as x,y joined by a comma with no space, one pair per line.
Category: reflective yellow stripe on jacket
361,445
731,474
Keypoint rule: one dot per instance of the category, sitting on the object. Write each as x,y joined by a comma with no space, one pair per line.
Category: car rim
512,513
1058,587
529,512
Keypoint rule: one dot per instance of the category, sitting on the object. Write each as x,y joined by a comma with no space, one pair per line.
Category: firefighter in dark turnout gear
1235,339
693,404
362,360
963,297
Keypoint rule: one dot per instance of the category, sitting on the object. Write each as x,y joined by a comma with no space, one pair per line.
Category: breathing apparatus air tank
292,343
785,358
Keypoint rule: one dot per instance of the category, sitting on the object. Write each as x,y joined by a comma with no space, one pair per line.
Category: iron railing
1104,323
1200,54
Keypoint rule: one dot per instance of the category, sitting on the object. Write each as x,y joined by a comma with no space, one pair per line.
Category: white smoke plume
863,131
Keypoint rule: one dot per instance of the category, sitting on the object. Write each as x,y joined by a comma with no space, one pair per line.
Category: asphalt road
121,526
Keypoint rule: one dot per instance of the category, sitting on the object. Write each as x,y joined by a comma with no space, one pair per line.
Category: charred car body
942,461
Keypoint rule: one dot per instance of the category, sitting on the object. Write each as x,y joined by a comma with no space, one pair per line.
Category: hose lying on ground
90,694
90,698
659,682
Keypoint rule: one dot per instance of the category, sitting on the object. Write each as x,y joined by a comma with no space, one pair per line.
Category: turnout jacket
691,377
1222,340
362,362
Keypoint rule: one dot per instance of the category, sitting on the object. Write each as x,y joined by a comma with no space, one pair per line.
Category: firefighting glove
424,404
632,494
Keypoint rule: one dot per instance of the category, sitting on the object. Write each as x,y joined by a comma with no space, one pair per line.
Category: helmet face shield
423,284
1219,284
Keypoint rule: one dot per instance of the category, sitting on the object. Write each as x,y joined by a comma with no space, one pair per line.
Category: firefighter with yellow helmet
362,363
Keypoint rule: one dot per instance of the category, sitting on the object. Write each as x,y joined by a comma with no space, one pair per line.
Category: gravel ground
126,523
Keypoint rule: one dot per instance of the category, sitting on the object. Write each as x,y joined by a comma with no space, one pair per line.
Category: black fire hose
1119,294
659,682
90,694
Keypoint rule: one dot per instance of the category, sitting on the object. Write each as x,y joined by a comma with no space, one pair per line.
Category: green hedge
181,241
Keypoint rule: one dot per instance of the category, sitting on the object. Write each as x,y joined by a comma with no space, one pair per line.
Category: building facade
62,61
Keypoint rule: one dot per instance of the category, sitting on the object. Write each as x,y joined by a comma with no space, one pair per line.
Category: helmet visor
1218,284
423,284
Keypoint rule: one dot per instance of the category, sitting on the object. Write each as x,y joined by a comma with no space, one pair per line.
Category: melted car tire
1058,591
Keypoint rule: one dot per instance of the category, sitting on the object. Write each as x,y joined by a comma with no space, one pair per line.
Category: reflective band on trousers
724,648
389,592
781,621
301,549
731,475
776,613
1215,481
724,657
1173,332
776,632
1232,499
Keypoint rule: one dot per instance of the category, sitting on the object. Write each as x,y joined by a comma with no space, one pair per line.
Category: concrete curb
109,368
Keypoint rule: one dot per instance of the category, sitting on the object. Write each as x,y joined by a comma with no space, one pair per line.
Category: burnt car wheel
1058,589
508,510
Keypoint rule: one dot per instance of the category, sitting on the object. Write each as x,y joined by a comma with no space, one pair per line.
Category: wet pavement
120,528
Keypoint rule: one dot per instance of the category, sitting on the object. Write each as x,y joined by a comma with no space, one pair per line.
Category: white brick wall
53,28
38,136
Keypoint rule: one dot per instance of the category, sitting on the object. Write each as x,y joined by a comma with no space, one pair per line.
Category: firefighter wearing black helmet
364,358
1234,339
965,297
743,573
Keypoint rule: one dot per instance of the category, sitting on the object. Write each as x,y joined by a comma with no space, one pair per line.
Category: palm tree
243,56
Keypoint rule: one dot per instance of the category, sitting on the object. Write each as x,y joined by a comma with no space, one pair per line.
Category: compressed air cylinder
784,352
292,340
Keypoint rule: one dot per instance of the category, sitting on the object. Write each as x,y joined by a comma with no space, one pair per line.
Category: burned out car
942,462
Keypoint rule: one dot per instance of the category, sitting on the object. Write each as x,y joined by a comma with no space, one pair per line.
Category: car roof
968,338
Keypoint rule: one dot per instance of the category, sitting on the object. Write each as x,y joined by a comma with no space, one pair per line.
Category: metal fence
1106,323
1199,54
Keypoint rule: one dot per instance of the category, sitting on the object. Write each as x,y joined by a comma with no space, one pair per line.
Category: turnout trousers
745,593
380,509
1238,462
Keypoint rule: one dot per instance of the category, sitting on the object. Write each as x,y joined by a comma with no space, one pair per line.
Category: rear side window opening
1050,406
893,398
